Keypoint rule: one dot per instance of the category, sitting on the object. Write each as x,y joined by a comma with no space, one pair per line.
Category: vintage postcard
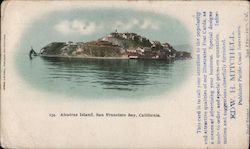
125,74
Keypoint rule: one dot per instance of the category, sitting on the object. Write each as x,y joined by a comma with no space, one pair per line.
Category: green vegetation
115,45
98,51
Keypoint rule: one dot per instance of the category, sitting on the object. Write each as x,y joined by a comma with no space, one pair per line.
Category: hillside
118,45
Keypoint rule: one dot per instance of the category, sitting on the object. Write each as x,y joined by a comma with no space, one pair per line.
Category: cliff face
126,45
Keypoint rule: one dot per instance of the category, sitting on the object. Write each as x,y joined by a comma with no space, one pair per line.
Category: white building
124,36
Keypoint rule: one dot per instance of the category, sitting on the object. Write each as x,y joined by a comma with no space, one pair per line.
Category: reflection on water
109,74
105,77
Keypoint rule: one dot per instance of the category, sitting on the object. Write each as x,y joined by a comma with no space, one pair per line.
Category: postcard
125,74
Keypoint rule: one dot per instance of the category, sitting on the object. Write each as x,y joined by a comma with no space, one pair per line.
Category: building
140,50
133,56
131,50
124,36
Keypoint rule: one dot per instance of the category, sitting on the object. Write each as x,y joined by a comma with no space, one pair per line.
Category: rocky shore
115,46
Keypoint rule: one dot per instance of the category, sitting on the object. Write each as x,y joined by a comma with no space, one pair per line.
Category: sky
82,25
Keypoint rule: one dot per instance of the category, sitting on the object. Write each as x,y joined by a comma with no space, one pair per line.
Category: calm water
109,78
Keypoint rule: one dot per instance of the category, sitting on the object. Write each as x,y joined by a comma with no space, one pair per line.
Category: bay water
104,78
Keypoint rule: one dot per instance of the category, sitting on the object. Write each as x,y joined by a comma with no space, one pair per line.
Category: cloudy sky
85,27
90,24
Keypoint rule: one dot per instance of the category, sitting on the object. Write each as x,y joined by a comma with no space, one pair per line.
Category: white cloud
147,23
125,26
135,23
87,27
76,26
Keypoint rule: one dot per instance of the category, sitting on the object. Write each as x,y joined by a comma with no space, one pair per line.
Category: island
115,45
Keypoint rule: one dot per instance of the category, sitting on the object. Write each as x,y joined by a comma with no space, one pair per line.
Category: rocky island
115,45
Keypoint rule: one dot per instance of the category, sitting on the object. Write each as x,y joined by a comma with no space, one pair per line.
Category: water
104,78
99,78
